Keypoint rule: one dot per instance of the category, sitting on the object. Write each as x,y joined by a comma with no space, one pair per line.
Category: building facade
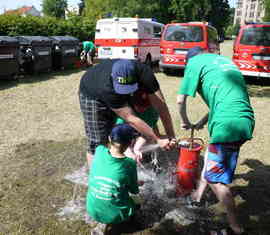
24,11
248,11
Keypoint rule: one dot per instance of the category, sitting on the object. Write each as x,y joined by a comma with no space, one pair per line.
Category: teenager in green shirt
88,52
230,122
112,177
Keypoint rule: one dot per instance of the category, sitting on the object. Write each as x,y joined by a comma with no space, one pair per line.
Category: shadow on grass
258,87
254,211
38,77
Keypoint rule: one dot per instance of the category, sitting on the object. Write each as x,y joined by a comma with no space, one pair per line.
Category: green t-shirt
110,182
88,46
222,86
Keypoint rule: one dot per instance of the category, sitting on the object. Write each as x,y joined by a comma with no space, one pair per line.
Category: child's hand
138,157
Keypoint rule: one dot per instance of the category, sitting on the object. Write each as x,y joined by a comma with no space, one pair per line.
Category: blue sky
13,4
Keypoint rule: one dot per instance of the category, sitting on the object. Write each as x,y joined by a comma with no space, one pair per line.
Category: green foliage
266,4
217,12
77,26
236,28
229,31
54,8
95,9
219,15
189,10
83,27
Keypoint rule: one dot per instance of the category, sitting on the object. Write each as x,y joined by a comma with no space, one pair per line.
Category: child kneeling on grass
112,177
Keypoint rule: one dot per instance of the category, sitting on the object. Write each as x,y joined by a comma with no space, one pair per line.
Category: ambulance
130,38
251,50
178,38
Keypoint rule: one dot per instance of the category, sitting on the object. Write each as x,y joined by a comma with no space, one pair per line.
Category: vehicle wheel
166,71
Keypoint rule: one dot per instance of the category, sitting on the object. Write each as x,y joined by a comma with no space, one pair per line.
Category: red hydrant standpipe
188,164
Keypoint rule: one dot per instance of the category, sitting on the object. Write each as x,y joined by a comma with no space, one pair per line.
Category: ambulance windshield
182,33
259,36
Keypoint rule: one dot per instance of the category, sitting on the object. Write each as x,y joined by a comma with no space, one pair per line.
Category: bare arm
127,114
181,101
199,125
158,102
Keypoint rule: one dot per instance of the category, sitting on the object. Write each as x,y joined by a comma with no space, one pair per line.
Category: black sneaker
192,204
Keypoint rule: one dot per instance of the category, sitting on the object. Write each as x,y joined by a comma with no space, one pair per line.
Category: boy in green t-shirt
88,52
230,123
112,177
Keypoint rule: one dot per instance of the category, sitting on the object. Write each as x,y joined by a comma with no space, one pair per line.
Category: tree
158,9
189,10
55,8
219,15
81,7
266,5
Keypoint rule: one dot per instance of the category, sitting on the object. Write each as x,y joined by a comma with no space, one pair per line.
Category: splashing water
79,176
149,148
157,196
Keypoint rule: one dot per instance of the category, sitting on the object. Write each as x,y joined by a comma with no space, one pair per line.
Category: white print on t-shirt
225,65
107,186
108,180
103,193
214,87
99,197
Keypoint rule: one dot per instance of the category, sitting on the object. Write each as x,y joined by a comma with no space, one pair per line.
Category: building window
252,6
251,14
239,13
239,5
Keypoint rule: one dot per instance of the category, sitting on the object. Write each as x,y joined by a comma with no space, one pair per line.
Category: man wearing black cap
105,93
230,123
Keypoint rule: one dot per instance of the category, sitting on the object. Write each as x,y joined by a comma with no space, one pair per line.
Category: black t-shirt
96,83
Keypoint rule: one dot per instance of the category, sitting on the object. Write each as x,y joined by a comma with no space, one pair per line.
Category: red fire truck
251,51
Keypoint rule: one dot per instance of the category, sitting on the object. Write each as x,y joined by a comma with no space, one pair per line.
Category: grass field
42,140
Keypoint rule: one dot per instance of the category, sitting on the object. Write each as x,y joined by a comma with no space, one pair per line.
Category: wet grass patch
33,188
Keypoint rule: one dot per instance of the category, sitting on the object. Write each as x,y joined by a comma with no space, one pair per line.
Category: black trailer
65,51
35,53
9,64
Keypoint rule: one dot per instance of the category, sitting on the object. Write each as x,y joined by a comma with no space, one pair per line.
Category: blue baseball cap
123,133
192,52
124,76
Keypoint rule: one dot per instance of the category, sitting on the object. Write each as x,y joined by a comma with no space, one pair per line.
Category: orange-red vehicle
251,51
178,38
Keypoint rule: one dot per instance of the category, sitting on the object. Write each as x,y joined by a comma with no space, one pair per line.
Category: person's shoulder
101,148
203,58
130,161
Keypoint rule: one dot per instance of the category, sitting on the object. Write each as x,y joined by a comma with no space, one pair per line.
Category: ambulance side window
157,31
147,30
123,29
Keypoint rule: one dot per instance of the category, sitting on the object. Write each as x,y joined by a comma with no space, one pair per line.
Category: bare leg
198,193
202,184
224,195
89,59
